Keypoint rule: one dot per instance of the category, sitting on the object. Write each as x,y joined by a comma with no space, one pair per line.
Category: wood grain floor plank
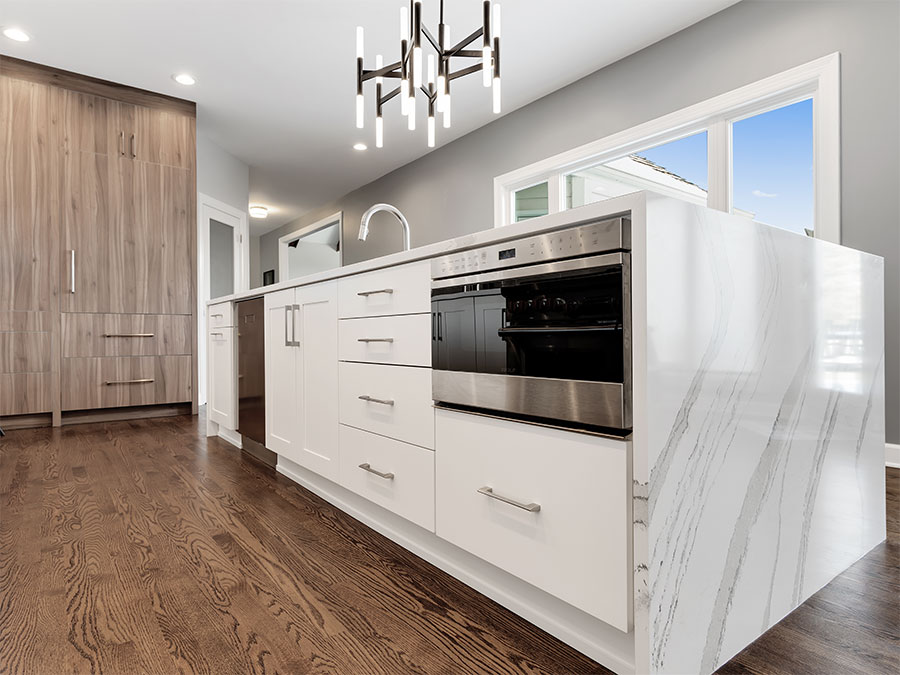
143,547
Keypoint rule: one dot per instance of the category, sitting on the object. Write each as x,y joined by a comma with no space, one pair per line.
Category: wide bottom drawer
548,506
112,382
393,474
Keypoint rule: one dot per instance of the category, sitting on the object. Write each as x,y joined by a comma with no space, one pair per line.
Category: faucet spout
375,208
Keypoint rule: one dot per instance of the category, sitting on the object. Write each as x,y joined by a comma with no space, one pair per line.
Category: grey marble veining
765,429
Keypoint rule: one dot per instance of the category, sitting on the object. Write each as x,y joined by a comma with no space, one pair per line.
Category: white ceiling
276,78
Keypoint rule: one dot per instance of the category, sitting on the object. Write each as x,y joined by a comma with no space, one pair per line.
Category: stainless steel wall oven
538,329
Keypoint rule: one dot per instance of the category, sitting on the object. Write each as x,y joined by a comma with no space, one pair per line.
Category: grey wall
220,174
449,192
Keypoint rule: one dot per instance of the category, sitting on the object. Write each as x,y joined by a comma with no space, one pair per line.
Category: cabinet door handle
372,399
440,334
133,154
488,491
72,271
128,335
295,308
288,322
365,294
122,143
367,467
109,383
374,339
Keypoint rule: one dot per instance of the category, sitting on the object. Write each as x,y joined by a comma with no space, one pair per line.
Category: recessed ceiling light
259,211
16,34
184,78
360,146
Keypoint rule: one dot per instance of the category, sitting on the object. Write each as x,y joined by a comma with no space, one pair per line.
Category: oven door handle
557,329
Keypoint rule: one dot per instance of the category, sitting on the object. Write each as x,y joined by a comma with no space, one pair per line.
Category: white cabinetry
549,506
405,289
221,384
302,376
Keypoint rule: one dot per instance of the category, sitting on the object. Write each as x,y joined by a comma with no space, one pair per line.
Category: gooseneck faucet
375,208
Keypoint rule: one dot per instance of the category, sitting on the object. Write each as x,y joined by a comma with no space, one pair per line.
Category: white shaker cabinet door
283,404
222,407
317,334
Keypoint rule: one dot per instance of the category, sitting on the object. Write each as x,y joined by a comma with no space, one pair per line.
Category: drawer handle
216,333
368,467
371,399
128,335
109,383
364,294
488,491
218,315
375,339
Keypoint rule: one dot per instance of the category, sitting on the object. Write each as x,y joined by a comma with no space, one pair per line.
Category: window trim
818,79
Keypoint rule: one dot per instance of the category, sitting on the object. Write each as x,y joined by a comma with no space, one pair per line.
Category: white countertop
555,221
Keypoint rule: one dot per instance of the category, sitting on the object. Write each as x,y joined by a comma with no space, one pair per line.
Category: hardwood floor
143,547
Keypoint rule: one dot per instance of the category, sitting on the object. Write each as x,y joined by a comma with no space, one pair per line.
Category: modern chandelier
433,80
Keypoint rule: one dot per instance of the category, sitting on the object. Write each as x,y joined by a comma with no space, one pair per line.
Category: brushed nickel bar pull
122,143
218,315
375,339
294,342
365,294
371,399
109,383
215,333
367,467
129,335
133,154
288,319
72,278
488,491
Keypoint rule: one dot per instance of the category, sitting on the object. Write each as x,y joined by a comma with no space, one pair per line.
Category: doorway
311,249
223,265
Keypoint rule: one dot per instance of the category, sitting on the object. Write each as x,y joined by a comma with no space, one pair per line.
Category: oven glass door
562,326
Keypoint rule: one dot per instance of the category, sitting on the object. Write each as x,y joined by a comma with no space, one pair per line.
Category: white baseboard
892,455
603,643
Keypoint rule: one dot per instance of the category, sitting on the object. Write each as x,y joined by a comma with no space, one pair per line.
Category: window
677,168
769,150
532,202
772,166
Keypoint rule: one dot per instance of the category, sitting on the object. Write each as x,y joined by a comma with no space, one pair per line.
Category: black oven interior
566,326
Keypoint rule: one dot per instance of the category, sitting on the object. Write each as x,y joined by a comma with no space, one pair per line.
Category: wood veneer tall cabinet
97,249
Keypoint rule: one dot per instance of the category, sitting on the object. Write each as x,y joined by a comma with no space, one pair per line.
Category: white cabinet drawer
400,340
397,290
220,315
577,545
393,474
393,401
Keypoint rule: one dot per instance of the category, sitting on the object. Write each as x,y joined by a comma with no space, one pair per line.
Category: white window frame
818,80
302,232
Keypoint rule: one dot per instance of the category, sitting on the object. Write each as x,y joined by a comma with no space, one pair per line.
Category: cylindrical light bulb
359,42
379,132
487,66
411,118
447,114
430,131
496,95
495,27
360,117
379,64
417,67
441,93
404,23
431,69
404,97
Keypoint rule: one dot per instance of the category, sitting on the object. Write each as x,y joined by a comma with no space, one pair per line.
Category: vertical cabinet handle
122,143
440,333
133,154
288,322
72,271
296,342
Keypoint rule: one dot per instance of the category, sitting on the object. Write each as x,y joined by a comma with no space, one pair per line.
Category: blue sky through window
773,166
685,157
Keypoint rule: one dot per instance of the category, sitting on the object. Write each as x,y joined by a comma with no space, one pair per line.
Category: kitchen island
753,472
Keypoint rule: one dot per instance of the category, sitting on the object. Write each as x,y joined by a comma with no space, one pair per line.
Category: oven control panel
607,235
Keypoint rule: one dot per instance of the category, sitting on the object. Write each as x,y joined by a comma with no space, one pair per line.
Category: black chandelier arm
434,42
465,42
465,71
387,97
392,70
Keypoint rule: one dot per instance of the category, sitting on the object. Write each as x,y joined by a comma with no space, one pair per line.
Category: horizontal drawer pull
218,315
109,383
128,335
374,339
372,399
217,333
364,294
368,467
488,491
